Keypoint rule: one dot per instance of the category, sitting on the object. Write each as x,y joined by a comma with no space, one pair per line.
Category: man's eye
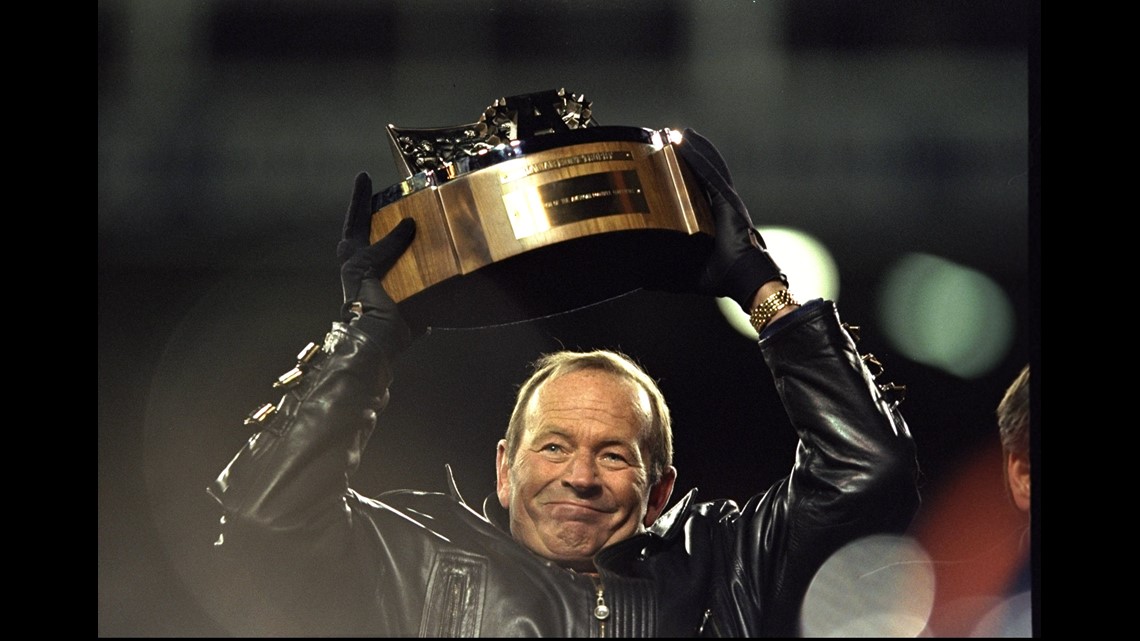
552,447
614,456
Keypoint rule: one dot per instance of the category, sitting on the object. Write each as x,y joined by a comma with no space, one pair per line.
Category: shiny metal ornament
602,612
261,414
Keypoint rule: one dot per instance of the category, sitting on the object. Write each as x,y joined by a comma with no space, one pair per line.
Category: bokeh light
945,315
877,586
809,266
1010,617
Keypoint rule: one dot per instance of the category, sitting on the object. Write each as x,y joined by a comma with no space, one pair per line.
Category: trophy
535,209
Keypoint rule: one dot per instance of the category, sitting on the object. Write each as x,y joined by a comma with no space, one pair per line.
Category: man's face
579,481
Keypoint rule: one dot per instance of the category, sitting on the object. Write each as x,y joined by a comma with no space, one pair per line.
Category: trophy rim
512,150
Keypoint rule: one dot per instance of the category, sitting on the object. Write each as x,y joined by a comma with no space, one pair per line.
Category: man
579,539
1013,427
1014,616
979,533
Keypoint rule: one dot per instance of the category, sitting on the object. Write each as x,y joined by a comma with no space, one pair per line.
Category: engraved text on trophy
533,210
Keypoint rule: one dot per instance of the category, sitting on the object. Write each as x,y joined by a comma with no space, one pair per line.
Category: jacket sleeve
293,474
291,532
855,471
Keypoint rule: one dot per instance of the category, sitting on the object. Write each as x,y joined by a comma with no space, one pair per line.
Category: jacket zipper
601,610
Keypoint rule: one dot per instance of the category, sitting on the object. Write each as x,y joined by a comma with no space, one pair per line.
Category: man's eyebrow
551,430
616,441
556,430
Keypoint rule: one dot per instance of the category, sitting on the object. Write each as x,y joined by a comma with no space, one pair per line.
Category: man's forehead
576,383
573,393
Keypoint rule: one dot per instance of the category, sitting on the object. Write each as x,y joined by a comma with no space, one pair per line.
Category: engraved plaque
539,209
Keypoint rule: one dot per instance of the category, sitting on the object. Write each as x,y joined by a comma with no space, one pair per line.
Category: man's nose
581,472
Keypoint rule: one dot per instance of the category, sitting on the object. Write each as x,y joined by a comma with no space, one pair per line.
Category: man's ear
659,495
1018,474
502,475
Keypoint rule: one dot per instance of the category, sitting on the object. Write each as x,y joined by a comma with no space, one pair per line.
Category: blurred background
885,148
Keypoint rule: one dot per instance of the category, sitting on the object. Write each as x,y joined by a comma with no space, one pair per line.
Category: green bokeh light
945,315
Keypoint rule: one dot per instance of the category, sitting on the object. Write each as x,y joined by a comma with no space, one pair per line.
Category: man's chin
574,545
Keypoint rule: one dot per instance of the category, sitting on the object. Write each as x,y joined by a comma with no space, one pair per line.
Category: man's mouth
572,510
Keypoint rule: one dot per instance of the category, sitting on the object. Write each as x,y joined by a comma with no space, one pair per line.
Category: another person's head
587,458
1013,426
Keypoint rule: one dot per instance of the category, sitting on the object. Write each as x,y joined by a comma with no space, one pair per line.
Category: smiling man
587,460
579,538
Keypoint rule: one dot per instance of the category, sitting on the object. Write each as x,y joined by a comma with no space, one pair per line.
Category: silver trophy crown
505,120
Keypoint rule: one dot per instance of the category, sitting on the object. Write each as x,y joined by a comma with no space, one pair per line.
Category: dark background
230,132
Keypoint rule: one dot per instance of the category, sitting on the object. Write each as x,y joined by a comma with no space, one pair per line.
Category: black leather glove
366,305
739,262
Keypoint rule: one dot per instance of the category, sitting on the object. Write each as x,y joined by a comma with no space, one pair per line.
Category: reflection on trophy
535,209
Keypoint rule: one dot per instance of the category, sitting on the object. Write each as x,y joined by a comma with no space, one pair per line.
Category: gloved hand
366,305
739,262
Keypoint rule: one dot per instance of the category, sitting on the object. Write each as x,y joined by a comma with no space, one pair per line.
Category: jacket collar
452,486
669,524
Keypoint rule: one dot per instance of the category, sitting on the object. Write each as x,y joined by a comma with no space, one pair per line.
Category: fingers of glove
381,255
346,249
708,150
373,262
358,220
716,184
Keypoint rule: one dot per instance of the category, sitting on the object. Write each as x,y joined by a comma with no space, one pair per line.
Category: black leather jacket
325,560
